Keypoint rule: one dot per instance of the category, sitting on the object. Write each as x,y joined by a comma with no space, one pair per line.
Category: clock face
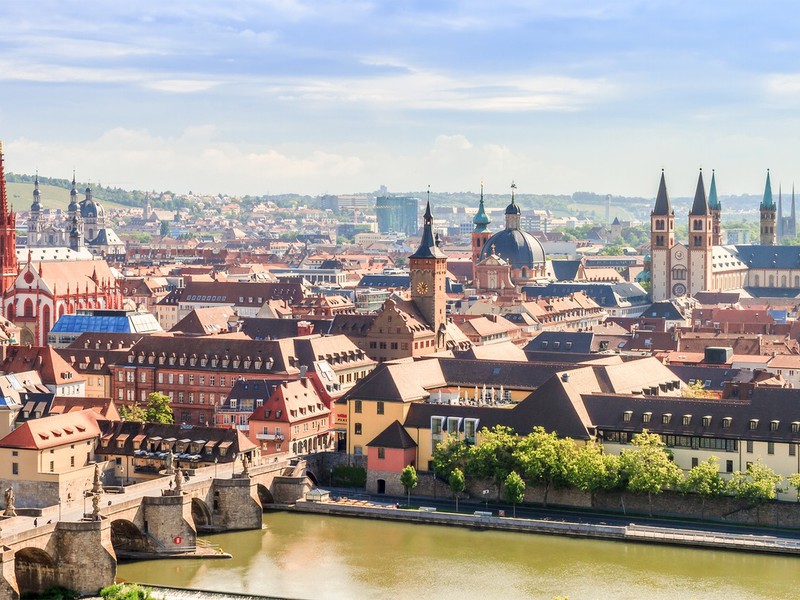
679,255
422,287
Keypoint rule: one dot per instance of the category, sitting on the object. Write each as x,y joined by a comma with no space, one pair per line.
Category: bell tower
715,207
8,235
480,234
767,210
662,239
700,237
428,267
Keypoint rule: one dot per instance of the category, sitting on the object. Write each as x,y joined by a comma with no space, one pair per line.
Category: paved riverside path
632,528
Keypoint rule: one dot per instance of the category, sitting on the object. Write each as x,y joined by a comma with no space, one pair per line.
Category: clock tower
428,267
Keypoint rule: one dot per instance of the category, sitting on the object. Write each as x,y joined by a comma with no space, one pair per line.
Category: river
315,557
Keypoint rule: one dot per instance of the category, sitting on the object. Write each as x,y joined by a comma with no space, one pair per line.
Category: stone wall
235,504
85,559
287,490
322,463
168,518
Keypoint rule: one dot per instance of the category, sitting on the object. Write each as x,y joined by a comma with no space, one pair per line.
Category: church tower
700,237
35,221
428,267
715,207
662,239
480,234
768,216
8,235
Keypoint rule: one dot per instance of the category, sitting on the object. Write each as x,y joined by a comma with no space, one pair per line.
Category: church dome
516,246
512,209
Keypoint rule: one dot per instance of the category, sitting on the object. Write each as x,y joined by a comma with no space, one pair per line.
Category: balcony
278,437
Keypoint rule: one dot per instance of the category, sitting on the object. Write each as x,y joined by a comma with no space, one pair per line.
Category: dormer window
773,425
707,421
687,420
753,424
795,426
626,416
666,418
646,417
726,422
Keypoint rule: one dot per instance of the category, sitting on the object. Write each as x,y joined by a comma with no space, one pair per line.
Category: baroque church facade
703,263
84,229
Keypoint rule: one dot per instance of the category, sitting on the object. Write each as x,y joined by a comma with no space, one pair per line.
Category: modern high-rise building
397,214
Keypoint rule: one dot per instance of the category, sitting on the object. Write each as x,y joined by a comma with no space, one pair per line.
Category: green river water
319,557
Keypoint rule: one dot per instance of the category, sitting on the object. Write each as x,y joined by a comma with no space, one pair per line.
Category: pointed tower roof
713,201
700,205
513,209
768,203
662,207
3,194
36,206
427,245
616,221
481,220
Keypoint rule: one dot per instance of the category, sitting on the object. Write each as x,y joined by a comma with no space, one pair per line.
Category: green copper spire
768,203
481,220
713,201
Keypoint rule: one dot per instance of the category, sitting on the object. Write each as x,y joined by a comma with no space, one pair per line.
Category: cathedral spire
768,203
700,205
713,200
662,207
3,195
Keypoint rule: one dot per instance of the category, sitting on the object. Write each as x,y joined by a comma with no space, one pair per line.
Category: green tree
794,481
697,390
457,483
493,458
757,484
545,458
592,470
409,480
648,469
704,480
165,229
125,591
450,455
156,410
514,490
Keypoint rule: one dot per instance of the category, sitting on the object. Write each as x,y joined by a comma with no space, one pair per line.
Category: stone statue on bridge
245,466
178,481
9,498
97,486
95,507
170,460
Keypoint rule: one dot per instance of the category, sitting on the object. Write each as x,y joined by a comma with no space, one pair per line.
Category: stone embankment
625,533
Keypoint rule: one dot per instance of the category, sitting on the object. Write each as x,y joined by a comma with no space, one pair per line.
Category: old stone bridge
64,547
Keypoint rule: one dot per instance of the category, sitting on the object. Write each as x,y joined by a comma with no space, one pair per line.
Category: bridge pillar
84,557
235,504
168,523
8,577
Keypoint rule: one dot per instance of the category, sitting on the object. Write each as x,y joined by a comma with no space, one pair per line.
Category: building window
792,449
753,424
14,468
71,461
160,378
381,453
646,417
694,462
357,406
750,446
773,425
770,447
358,429
394,345
707,421
726,422
380,408
666,418
729,466
687,420
52,466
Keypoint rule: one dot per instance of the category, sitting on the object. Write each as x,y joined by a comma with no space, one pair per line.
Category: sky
337,96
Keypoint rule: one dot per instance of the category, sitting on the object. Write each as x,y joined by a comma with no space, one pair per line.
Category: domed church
506,261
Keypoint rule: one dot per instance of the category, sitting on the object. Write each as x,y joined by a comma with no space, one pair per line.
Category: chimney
304,328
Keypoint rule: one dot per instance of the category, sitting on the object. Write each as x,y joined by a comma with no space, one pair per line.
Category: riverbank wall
625,533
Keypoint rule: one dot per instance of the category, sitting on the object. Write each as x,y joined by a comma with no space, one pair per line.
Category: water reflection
309,556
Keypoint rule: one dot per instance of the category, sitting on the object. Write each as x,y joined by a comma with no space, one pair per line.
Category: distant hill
20,195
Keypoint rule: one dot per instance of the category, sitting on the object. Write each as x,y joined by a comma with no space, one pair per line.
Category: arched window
783,280
772,281
10,312
28,310
45,322
756,280
524,273
797,281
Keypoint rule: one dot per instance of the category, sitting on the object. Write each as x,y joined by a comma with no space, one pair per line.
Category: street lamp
486,498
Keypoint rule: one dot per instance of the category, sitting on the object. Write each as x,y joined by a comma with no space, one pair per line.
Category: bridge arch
201,514
312,477
127,537
264,495
35,570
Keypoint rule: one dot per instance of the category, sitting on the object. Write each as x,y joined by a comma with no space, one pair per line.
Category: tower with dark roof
715,207
768,210
428,266
480,234
662,239
700,238
35,220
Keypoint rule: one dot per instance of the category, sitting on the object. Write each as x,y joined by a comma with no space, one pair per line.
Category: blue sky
337,96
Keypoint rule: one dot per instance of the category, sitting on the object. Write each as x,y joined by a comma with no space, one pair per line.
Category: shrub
347,476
